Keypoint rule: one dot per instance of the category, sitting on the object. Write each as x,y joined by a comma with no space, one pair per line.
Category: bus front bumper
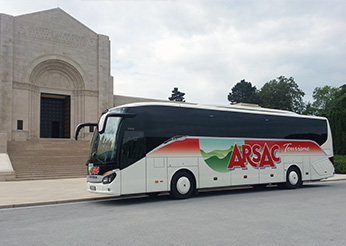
102,189
95,184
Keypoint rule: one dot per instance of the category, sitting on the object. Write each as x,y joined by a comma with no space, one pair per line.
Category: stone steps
48,158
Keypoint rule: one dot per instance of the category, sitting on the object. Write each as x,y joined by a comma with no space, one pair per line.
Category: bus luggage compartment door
157,174
211,178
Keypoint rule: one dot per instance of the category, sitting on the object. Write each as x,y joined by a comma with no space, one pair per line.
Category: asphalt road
312,215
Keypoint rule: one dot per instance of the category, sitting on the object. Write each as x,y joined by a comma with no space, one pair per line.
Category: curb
332,179
32,204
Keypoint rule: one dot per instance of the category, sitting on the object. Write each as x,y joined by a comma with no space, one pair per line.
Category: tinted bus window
133,147
161,123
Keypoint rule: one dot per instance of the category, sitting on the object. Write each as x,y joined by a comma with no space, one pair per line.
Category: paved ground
313,215
36,192
39,192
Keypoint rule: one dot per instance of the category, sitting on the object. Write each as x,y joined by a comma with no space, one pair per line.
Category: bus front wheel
293,178
183,185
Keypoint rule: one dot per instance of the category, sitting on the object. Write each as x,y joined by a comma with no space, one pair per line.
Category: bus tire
183,185
293,178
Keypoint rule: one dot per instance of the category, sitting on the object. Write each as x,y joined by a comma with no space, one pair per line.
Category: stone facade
54,74
50,54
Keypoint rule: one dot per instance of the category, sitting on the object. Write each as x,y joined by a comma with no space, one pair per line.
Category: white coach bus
181,148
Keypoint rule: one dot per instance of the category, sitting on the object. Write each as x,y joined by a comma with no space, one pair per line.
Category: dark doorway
55,116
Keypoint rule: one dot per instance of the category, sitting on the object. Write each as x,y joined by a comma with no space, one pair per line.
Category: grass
340,164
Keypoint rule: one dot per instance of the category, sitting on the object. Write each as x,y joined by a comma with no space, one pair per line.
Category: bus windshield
104,144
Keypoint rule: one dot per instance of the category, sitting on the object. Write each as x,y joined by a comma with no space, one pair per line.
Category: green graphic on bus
217,152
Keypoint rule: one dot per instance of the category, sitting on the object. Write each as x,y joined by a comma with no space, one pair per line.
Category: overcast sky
205,47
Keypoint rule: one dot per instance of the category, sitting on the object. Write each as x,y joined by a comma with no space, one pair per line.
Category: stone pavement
53,191
41,192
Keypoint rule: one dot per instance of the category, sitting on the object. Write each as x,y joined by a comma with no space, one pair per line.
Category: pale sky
205,47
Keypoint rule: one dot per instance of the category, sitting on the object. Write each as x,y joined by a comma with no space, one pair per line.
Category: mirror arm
80,126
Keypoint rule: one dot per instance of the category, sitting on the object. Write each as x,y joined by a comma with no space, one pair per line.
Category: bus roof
230,108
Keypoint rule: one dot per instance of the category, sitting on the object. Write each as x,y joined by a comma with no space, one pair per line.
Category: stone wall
51,52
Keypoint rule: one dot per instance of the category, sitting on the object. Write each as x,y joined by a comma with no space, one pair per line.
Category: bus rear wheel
293,178
183,185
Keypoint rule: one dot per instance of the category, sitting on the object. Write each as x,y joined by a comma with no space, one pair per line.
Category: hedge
340,164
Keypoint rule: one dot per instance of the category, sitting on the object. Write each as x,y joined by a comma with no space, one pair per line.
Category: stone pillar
3,142
6,73
105,82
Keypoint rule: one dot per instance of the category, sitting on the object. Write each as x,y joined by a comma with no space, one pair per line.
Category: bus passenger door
133,163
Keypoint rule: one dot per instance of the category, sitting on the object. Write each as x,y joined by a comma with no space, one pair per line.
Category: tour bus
181,148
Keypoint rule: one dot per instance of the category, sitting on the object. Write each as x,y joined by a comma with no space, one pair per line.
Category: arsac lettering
254,156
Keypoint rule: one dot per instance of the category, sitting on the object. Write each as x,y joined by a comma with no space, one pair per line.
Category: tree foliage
336,113
282,93
177,95
243,92
330,102
322,96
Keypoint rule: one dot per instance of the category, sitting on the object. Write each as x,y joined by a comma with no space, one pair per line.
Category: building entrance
55,116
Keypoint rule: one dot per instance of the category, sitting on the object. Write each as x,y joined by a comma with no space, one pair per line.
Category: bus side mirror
80,126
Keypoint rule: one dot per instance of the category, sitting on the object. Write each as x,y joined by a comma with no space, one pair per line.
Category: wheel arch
185,169
294,165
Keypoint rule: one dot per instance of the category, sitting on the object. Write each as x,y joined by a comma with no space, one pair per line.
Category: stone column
3,142
105,82
6,73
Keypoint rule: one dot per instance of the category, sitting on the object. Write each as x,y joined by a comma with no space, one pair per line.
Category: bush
340,164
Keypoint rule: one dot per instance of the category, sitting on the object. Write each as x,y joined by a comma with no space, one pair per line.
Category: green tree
177,95
282,93
309,109
243,92
330,102
336,113
322,96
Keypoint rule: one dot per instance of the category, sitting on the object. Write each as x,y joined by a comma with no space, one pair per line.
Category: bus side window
133,147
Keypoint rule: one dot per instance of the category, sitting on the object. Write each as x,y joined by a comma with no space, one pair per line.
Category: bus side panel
306,172
157,174
133,178
185,161
209,178
248,175
321,167
268,175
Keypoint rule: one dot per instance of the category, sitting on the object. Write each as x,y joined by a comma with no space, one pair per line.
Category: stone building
54,74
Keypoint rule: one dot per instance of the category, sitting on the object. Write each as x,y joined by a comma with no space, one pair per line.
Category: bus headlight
109,178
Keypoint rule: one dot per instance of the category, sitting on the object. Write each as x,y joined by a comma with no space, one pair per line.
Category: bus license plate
92,187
